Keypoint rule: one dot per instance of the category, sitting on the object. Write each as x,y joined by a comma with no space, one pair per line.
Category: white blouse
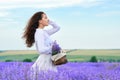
43,41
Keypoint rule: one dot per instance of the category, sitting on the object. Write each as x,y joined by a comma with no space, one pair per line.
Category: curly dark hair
31,28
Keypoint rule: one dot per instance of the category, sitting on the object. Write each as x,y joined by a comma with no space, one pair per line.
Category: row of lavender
69,71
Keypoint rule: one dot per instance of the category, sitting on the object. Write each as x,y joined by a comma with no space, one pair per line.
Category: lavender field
69,71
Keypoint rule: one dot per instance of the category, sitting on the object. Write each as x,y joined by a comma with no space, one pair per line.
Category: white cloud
4,13
5,21
6,4
90,3
108,13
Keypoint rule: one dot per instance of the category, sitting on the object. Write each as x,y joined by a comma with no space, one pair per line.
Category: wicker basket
59,59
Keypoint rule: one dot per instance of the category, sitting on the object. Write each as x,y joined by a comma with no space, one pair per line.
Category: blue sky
85,24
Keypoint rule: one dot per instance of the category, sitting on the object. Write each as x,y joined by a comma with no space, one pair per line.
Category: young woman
35,33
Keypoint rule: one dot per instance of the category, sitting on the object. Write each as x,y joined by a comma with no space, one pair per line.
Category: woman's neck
41,26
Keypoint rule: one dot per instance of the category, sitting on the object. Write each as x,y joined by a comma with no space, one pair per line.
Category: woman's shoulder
39,30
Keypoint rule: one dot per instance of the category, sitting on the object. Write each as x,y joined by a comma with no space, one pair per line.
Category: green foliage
8,60
118,60
93,59
112,60
27,60
73,55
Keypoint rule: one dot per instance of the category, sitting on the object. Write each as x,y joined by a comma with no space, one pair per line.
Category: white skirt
43,63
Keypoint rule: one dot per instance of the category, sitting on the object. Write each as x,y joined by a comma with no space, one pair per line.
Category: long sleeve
54,29
40,43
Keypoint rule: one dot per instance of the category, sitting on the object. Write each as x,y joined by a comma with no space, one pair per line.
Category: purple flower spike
55,48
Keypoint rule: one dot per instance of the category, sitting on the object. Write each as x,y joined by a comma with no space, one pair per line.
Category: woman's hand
51,22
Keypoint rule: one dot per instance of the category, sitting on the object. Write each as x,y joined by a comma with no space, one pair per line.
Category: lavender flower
69,71
55,48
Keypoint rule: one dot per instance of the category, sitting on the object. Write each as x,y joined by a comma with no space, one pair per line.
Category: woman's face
44,21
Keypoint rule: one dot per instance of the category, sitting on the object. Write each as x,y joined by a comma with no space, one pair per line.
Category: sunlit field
72,55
